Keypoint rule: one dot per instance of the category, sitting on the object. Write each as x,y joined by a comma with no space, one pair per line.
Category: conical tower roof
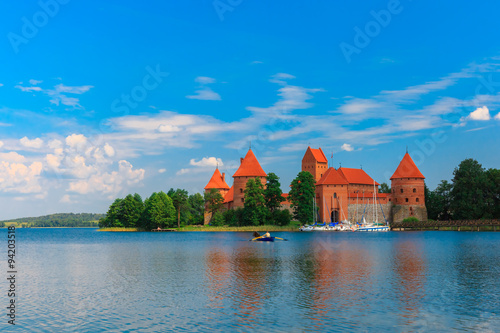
250,167
407,169
217,181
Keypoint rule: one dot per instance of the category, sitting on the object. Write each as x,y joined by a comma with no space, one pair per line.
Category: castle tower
331,196
315,162
217,182
408,191
249,168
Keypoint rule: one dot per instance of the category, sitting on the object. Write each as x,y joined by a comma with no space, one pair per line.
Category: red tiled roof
332,177
356,176
250,167
319,155
407,169
286,202
229,195
216,181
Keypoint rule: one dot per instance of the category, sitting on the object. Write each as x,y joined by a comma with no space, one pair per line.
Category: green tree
384,188
301,196
493,179
438,202
214,201
180,200
130,210
159,212
218,219
196,205
255,209
112,218
469,196
273,194
282,217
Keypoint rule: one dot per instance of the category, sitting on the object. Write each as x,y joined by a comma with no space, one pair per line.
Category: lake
84,280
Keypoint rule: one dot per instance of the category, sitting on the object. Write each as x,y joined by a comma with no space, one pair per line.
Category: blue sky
98,100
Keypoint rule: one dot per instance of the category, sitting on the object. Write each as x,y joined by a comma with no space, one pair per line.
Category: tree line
262,206
473,193
160,210
59,220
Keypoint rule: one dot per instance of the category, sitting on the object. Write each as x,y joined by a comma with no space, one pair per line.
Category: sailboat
374,226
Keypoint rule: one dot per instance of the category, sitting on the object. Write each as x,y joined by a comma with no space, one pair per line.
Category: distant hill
59,220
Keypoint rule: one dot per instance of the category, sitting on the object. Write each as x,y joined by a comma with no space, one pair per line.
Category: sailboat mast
357,206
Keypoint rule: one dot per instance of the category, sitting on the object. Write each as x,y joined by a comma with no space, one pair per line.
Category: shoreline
213,229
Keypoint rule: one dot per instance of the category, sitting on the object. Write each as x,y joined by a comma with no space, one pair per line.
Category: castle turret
408,191
217,182
315,162
249,168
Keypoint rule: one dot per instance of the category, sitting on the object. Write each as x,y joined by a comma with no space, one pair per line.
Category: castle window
241,190
396,200
335,195
401,190
389,199
414,190
417,200
242,199
406,199
393,190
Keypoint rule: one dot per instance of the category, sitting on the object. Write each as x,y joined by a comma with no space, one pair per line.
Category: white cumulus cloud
20,177
110,151
481,113
35,143
347,147
206,161
497,117
76,141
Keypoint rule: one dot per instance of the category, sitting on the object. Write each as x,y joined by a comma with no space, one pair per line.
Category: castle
341,194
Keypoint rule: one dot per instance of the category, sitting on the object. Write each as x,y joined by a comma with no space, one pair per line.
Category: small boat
264,239
373,228
306,228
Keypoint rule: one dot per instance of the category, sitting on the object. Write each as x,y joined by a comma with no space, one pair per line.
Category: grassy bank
294,226
120,229
261,228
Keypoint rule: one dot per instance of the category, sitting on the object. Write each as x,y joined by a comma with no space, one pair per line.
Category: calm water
89,281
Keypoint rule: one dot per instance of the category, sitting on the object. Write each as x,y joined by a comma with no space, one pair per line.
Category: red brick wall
326,201
408,188
317,169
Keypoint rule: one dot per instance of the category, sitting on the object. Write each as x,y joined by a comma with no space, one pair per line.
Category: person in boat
266,235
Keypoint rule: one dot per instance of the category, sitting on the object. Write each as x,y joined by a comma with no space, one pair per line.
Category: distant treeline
59,220
474,193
